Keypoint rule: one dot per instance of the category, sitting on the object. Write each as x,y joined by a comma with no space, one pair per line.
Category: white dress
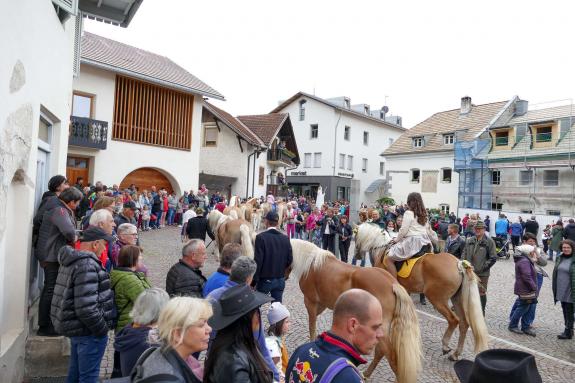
411,238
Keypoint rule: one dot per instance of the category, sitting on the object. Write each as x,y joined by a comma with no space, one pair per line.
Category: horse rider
272,201
415,234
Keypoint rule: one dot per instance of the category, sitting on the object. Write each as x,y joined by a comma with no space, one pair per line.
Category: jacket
531,227
273,255
525,276
183,280
48,202
83,302
309,361
345,231
164,362
121,218
569,231
332,225
501,226
58,229
516,229
127,285
156,203
198,227
480,253
554,281
455,247
131,342
215,281
556,238
235,362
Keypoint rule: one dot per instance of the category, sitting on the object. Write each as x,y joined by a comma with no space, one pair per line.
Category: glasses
131,234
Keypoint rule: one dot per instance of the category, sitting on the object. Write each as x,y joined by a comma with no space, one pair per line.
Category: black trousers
567,315
50,276
344,249
328,242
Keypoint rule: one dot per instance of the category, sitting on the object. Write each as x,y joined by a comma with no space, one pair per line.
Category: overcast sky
423,55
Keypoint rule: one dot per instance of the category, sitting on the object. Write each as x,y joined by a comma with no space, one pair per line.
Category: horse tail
405,337
233,214
472,308
246,237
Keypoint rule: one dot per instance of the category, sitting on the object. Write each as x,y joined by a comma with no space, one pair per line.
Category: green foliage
386,201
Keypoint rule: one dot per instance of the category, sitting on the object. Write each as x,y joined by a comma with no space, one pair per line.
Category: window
553,212
448,139
502,138
314,131
302,110
364,165
543,134
317,160
446,175
45,132
444,208
381,168
346,102
210,134
261,176
390,141
495,178
417,142
346,133
307,160
342,161
551,178
526,211
82,105
415,173
349,162
496,206
342,193
525,177
365,138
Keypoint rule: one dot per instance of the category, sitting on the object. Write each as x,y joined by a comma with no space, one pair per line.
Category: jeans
85,357
344,250
50,276
170,217
362,264
530,317
275,287
520,313
156,223
551,252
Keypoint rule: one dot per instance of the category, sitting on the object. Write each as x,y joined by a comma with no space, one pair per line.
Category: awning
375,185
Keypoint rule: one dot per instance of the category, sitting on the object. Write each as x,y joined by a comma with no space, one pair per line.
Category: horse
249,208
229,230
441,277
322,278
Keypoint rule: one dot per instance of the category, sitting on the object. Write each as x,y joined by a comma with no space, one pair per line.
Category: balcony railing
275,180
281,155
88,133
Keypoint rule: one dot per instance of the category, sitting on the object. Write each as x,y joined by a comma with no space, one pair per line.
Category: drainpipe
257,154
248,177
335,143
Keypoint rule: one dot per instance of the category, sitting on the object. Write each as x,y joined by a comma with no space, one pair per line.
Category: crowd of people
96,282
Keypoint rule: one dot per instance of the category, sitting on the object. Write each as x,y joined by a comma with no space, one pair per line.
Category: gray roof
116,12
112,55
545,114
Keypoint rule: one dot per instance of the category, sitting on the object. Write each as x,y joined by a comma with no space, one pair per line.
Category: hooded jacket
525,276
127,285
569,231
131,342
48,202
83,303
57,229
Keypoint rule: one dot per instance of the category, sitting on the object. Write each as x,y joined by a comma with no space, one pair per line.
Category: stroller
502,247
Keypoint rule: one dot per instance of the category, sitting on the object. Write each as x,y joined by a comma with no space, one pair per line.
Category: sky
418,57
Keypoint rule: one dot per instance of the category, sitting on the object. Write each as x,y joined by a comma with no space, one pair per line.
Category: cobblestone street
555,359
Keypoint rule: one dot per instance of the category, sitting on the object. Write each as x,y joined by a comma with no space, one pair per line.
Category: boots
483,299
567,334
422,299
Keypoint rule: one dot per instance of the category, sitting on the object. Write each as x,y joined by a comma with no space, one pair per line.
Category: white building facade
340,146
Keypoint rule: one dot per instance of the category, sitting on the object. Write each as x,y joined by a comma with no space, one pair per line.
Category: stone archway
145,178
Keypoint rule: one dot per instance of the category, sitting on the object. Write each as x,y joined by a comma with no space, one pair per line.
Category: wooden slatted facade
152,115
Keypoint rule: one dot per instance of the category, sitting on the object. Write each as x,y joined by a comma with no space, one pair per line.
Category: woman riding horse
415,234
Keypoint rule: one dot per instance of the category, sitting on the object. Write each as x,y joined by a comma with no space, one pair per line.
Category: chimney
465,105
521,107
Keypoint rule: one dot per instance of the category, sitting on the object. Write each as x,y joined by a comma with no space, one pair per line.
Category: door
145,178
77,167
36,280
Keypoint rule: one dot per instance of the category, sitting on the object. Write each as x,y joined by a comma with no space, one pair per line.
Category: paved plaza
555,359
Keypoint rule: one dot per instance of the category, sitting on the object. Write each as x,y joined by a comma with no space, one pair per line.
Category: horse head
369,236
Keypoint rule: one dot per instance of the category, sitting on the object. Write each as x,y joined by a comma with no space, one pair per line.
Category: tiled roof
125,59
234,124
449,121
544,114
338,107
265,126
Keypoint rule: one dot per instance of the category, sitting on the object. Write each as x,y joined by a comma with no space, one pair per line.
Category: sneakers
515,330
529,332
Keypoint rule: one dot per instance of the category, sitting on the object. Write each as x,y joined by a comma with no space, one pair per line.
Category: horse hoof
453,358
444,352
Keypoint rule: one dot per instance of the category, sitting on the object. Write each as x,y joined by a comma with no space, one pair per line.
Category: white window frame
302,110
347,133
449,139
522,181
349,162
364,165
412,178
312,126
342,161
381,168
317,160
545,180
208,126
498,177
365,138
417,142
307,160
443,175
444,207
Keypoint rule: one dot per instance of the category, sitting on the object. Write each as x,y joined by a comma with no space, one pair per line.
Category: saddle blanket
405,270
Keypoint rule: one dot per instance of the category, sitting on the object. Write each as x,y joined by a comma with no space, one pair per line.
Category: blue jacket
501,226
215,281
516,229
309,361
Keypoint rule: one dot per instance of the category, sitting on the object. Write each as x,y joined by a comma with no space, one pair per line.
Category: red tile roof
265,126
234,124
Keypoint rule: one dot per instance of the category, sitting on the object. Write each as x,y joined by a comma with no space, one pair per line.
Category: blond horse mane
215,219
307,257
370,236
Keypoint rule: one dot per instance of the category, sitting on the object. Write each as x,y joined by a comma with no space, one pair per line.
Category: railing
543,137
275,180
280,155
88,133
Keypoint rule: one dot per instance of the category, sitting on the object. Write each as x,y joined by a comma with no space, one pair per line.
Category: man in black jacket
569,230
454,243
531,226
273,255
83,304
185,278
198,226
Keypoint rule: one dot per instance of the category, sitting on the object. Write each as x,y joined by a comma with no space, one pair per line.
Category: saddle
424,250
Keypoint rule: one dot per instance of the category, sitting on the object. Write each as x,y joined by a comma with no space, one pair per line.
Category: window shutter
70,6
520,131
564,126
78,43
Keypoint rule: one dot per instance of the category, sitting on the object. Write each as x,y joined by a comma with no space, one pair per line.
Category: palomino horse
322,279
249,208
281,209
229,230
440,277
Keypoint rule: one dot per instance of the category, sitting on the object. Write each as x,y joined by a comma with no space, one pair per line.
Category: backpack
335,368
136,374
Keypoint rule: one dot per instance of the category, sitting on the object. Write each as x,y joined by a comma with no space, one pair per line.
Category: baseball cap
94,233
130,205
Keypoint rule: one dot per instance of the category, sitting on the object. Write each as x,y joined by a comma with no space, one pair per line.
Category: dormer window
543,133
502,138
347,103
448,139
302,110
417,142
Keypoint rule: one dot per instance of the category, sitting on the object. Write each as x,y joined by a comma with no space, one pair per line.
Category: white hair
148,305
100,216
126,227
180,313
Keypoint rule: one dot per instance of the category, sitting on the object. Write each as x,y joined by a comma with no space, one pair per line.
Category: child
145,218
525,289
278,317
317,237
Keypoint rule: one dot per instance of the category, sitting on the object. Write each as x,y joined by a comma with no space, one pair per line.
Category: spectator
56,185
234,352
545,238
311,221
499,365
273,255
328,230
569,230
479,250
242,271
564,285
278,318
455,243
188,214
452,217
555,240
470,228
127,215
127,235
487,222
183,330
345,233
83,304
133,340
103,219
156,209
376,219
531,226
230,253
516,232
185,277
146,218
464,222
172,205
58,229
392,229
525,289
356,330
198,227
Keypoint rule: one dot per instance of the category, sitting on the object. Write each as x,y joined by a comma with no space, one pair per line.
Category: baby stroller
502,247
